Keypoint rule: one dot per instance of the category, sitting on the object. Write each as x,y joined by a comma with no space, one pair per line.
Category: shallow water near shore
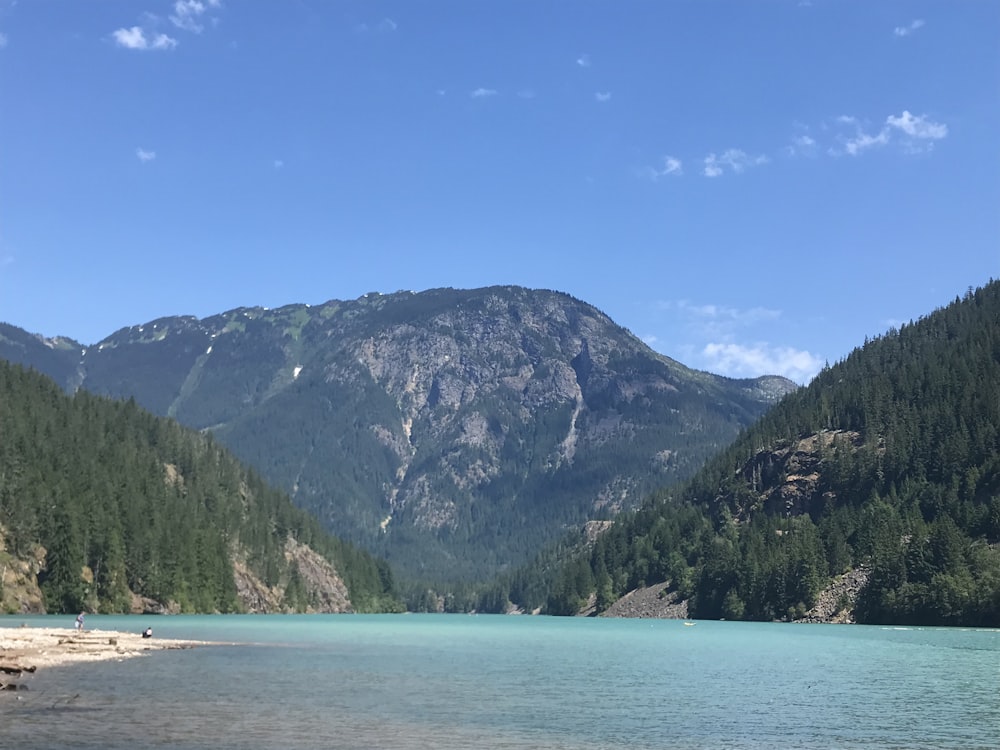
455,681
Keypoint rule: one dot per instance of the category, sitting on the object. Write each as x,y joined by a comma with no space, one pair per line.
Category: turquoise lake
461,681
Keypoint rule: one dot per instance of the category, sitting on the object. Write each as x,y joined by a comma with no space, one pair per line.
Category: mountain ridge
471,424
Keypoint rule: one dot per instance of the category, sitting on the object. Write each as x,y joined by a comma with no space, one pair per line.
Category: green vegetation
902,443
126,503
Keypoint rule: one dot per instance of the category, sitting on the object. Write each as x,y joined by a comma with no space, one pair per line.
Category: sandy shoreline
28,648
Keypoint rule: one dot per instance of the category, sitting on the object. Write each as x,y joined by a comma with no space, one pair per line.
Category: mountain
452,431
108,508
873,495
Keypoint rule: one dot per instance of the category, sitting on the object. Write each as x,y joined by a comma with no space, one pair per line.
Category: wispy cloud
737,161
863,141
714,319
526,94
671,166
278,163
917,126
187,14
135,38
913,133
3,40
602,96
761,358
583,61
801,145
715,322
385,26
908,29
144,155
482,93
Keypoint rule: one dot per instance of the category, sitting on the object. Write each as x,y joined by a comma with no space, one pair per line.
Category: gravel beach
27,648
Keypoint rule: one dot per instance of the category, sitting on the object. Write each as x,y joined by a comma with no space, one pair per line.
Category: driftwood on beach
25,649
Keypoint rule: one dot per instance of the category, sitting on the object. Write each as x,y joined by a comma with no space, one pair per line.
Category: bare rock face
19,591
255,596
785,481
651,602
836,602
326,589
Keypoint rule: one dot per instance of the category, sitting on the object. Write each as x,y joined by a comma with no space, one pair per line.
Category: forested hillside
109,508
887,464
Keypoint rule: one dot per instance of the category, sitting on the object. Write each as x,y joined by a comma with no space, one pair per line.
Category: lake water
460,681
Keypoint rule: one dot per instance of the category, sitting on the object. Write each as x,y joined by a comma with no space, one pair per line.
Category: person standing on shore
79,622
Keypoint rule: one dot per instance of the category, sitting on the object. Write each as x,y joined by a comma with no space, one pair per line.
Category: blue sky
750,187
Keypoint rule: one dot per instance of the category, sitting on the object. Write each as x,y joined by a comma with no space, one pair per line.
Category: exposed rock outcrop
650,602
786,480
836,602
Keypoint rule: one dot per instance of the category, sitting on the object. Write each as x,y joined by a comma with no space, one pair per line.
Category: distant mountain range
452,431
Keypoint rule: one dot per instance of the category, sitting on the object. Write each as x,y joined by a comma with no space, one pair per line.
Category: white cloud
135,38
583,61
671,166
909,29
735,159
917,126
482,93
187,14
913,133
144,156
864,141
732,340
602,96
739,360
387,24
917,134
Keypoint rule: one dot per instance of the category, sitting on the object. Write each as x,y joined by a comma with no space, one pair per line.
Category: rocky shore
25,649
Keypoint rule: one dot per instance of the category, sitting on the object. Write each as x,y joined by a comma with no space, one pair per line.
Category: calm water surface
458,681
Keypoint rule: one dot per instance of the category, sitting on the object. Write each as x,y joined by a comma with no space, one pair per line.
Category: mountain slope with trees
887,464
451,431
105,507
